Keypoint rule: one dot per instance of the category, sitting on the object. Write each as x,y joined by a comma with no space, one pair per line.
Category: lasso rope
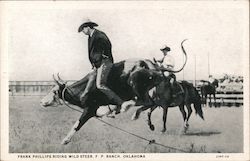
140,137
149,141
63,98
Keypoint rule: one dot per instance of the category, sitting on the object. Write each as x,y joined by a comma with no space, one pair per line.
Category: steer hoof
126,105
111,116
65,141
123,108
135,116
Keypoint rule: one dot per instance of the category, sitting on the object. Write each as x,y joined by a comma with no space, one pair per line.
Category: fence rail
227,98
30,88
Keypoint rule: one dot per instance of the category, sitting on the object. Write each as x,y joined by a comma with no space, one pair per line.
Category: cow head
144,79
54,95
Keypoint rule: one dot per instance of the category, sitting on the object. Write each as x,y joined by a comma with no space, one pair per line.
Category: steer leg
138,112
126,105
146,103
78,124
71,133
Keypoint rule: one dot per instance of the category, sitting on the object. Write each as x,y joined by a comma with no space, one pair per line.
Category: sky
43,38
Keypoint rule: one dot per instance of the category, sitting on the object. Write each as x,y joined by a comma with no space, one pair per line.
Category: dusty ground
37,130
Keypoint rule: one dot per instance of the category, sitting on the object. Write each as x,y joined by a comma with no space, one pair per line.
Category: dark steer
118,82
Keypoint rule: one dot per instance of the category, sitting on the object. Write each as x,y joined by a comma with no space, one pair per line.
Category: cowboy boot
119,105
173,88
176,91
118,110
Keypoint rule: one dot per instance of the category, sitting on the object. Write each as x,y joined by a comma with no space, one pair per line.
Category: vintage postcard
124,80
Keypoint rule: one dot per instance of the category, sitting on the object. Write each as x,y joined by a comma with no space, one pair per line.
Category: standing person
101,59
210,79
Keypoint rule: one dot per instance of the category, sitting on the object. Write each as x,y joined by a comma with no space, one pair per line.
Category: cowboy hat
165,48
87,24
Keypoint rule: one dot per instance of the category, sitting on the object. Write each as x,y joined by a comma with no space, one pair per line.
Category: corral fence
30,88
227,98
41,88
227,94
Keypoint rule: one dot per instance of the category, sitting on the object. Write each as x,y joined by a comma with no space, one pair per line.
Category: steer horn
57,82
59,78
176,71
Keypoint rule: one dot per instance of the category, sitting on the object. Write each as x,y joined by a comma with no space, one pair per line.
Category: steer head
54,95
145,79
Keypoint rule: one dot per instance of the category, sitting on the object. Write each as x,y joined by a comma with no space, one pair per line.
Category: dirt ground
37,130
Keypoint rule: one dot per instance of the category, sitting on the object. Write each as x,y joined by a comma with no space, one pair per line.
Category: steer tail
176,71
197,105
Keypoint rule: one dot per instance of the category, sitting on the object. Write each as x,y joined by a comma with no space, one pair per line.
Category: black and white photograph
124,80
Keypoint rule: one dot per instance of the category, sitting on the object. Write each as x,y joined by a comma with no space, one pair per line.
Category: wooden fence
227,98
29,88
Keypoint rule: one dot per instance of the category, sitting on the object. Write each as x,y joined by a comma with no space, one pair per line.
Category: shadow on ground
203,133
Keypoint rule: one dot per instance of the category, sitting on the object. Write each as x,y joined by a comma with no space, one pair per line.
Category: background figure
210,79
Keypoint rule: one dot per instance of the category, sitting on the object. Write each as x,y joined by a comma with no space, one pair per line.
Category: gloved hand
172,80
93,67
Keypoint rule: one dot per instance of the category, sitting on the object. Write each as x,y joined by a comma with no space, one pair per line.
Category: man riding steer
101,59
110,89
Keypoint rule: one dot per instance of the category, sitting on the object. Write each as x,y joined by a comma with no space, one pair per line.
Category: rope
140,137
150,141
66,103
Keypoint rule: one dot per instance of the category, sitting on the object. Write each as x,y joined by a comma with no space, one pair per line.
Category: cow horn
59,78
55,79
176,71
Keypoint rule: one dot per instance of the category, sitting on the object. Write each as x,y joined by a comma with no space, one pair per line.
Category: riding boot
114,97
177,90
173,89
118,110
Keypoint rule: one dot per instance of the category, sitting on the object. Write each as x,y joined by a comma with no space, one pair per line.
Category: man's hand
104,56
93,67
172,80
154,60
